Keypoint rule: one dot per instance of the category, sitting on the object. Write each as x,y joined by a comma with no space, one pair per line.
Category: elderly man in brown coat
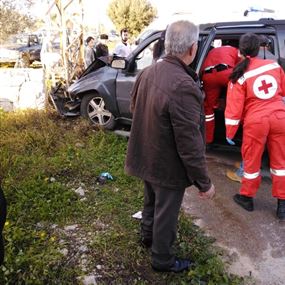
166,146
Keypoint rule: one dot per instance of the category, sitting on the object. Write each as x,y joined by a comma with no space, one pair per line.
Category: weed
53,235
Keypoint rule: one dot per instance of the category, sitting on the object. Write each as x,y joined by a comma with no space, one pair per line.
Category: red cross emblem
264,86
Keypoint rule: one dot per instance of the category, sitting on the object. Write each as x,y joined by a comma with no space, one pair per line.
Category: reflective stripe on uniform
258,71
231,122
209,67
251,175
209,118
277,172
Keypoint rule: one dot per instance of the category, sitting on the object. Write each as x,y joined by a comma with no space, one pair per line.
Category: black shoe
178,266
244,201
145,242
281,209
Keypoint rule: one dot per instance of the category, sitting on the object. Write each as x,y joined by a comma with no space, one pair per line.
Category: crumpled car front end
98,77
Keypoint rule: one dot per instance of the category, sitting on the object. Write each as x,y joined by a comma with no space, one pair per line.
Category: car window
33,40
20,40
145,57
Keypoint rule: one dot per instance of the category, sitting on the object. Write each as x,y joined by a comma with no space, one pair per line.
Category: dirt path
255,241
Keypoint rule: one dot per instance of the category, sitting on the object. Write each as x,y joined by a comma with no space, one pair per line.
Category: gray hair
180,36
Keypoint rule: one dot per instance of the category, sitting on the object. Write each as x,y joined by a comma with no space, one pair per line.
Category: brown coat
166,145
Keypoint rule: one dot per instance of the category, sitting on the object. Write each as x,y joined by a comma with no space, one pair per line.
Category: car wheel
93,108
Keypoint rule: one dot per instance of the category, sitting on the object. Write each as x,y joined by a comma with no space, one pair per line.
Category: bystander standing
89,56
166,147
102,47
123,48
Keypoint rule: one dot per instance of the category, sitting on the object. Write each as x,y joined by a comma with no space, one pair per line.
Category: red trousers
213,83
256,133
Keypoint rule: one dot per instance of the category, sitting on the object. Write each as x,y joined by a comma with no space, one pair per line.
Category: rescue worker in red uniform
256,94
264,53
216,70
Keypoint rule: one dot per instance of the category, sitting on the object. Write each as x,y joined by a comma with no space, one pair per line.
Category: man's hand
209,194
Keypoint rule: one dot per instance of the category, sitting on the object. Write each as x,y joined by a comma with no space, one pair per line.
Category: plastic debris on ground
137,215
107,175
103,177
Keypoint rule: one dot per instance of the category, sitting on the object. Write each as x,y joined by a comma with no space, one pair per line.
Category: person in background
216,70
89,56
264,49
170,154
159,48
255,94
123,48
102,47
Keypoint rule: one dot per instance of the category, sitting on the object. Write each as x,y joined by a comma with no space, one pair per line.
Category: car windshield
19,40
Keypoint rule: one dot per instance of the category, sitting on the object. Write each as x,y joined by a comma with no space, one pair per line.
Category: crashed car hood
95,80
96,64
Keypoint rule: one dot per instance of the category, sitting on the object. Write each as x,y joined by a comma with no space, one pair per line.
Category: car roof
264,22
261,23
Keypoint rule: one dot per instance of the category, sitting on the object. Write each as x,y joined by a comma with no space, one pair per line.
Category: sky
197,11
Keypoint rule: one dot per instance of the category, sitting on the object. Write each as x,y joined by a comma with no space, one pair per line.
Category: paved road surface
255,241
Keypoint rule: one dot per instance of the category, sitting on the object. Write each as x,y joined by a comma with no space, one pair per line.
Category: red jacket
224,54
256,94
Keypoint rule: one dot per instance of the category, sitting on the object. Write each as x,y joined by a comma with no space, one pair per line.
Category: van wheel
93,108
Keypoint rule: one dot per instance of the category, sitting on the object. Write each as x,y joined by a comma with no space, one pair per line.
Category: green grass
44,159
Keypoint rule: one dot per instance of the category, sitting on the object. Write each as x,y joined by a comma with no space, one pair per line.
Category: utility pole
67,17
64,21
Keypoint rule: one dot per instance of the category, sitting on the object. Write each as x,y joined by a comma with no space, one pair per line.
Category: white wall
21,88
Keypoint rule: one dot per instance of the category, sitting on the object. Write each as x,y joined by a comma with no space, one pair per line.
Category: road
254,241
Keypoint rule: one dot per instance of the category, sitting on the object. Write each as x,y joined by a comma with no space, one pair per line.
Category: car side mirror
118,63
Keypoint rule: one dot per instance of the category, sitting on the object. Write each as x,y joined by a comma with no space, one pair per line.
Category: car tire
93,108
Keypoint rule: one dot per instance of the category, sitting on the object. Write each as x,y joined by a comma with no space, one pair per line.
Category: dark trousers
159,221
